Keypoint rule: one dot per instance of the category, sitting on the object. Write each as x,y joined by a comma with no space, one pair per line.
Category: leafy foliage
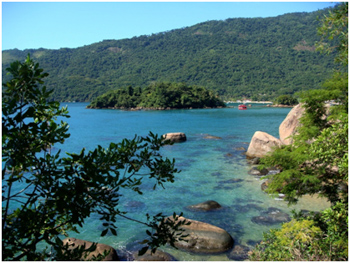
321,237
59,193
242,57
335,26
159,96
286,100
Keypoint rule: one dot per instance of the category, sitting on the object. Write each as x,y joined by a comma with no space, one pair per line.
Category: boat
242,107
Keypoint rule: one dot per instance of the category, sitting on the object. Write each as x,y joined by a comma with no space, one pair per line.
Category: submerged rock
271,216
205,206
157,256
204,238
211,137
100,249
239,253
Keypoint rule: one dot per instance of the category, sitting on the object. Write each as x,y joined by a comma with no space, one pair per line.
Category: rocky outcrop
100,249
205,206
204,238
261,144
175,137
290,124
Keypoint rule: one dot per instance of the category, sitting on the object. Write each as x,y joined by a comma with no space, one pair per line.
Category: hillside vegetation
257,58
158,96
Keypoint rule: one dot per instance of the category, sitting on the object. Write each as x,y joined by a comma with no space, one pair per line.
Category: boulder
255,171
261,144
156,256
100,249
203,238
288,127
205,206
175,137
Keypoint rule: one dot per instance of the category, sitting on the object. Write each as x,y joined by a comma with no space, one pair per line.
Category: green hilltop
256,58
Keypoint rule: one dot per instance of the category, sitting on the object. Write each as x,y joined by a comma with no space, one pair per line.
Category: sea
212,168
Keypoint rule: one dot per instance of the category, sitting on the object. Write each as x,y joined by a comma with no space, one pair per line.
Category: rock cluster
263,143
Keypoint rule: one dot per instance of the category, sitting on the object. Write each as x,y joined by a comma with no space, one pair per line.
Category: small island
158,96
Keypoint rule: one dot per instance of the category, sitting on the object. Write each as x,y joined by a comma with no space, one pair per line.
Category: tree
45,195
335,27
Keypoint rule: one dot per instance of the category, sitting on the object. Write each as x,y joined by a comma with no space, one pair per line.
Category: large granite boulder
100,249
261,144
175,136
290,124
204,238
205,206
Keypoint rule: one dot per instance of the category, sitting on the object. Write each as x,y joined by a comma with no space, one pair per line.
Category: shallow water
206,167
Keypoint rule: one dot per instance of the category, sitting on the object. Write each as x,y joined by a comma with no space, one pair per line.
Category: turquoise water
206,165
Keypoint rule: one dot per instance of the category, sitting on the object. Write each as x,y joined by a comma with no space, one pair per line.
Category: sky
55,25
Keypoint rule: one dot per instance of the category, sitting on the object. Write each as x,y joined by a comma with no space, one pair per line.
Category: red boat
242,107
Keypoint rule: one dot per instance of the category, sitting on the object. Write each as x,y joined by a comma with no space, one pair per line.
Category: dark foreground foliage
45,195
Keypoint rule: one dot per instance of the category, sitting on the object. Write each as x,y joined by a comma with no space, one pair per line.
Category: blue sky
55,25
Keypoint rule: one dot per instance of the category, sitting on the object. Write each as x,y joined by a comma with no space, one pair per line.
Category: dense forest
158,96
257,58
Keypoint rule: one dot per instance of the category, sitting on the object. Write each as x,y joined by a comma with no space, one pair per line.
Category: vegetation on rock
159,96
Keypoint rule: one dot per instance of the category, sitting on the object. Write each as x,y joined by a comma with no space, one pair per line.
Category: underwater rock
239,253
271,216
211,137
157,256
205,206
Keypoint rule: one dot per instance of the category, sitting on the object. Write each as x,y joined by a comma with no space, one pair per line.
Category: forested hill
259,58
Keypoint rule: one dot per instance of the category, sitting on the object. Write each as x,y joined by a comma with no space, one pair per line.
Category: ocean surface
207,166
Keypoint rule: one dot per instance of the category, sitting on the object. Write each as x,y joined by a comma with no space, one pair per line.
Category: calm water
206,165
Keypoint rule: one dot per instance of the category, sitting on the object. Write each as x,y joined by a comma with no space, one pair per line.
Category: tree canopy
159,96
236,58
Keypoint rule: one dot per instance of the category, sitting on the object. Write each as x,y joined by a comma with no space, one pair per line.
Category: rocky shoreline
204,238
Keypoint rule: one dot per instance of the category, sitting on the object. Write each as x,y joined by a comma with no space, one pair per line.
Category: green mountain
257,58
